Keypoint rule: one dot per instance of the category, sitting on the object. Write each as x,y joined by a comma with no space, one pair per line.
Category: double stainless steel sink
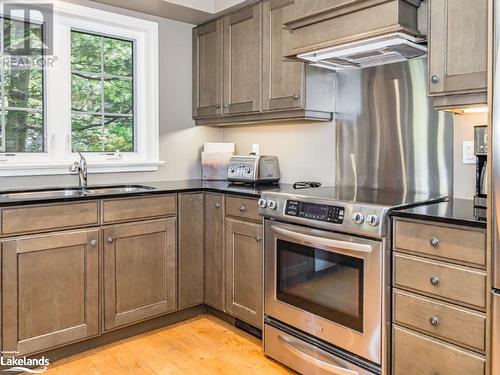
74,192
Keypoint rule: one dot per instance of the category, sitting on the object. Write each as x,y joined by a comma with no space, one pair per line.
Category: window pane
118,96
24,132
22,38
119,134
24,88
85,52
118,57
87,132
86,93
102,93
22,125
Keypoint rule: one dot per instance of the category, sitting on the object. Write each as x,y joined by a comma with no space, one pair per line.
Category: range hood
380,50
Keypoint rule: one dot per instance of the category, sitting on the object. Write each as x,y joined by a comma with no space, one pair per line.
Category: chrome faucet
80,168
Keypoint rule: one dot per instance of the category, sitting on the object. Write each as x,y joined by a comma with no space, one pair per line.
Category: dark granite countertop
161,187
451,211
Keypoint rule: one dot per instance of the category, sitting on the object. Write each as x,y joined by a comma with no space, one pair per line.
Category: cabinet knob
295,97
109,239
243,209
226,105
217,106
434,241
435,280
434,321
258,238
217,205
93,243
434,78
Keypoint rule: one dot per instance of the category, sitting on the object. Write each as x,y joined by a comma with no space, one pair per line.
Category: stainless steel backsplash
388,134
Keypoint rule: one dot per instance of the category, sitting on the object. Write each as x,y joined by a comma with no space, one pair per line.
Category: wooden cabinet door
242,61
214,250
139,271
50,290
207,69
191,262
458,46
244,271
282,79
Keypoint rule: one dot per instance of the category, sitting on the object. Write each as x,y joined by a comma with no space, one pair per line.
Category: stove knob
248,170
358,218
272,204
262,203
373,220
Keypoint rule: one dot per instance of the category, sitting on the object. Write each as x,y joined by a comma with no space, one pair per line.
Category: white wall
180,140
306,151
464,174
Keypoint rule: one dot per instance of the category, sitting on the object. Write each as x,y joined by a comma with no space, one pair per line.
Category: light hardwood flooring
202,345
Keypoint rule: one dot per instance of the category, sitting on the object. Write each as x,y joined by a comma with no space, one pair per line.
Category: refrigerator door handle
495,333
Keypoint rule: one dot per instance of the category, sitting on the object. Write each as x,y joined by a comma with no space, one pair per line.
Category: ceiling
190,11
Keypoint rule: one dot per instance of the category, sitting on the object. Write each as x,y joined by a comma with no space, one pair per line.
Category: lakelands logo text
23,364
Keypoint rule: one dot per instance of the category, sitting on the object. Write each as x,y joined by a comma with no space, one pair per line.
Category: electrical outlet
468,156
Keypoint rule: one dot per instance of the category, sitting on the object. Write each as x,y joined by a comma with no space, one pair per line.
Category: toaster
253,169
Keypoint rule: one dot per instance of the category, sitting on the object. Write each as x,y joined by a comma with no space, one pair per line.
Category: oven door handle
330,367
327,242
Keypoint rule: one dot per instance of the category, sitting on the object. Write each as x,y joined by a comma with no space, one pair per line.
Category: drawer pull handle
434,320
434,241
217,205
243,209
93,243
435,280
109,239
258,238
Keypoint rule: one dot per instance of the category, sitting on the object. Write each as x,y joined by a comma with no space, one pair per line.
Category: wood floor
203,345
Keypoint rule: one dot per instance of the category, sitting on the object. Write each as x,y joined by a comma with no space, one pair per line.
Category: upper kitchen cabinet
458,50
290,84
242,48
251,76
207,70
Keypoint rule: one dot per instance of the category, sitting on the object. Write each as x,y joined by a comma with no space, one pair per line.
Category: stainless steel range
326,260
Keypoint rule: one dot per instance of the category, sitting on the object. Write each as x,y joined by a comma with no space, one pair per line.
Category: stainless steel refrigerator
495,190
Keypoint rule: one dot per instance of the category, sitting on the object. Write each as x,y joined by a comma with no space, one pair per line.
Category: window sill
10,169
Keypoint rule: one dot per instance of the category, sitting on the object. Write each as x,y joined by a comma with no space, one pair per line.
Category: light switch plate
468,156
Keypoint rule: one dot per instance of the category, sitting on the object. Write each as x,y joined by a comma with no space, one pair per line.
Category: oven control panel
314,211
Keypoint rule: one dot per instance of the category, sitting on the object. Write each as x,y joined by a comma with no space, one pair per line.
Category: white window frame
58,154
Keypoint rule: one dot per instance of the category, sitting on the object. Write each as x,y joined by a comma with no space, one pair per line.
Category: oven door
326,284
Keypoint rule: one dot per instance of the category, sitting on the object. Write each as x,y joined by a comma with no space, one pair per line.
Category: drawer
456,283
47,217
452,323
243,208
453,244
415,354
125,209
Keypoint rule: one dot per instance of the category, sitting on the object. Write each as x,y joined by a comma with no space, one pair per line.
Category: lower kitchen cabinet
140,279
50,290
191,249
214,251
244,271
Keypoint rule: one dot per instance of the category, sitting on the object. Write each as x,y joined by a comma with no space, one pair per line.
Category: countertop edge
438,219
28,202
